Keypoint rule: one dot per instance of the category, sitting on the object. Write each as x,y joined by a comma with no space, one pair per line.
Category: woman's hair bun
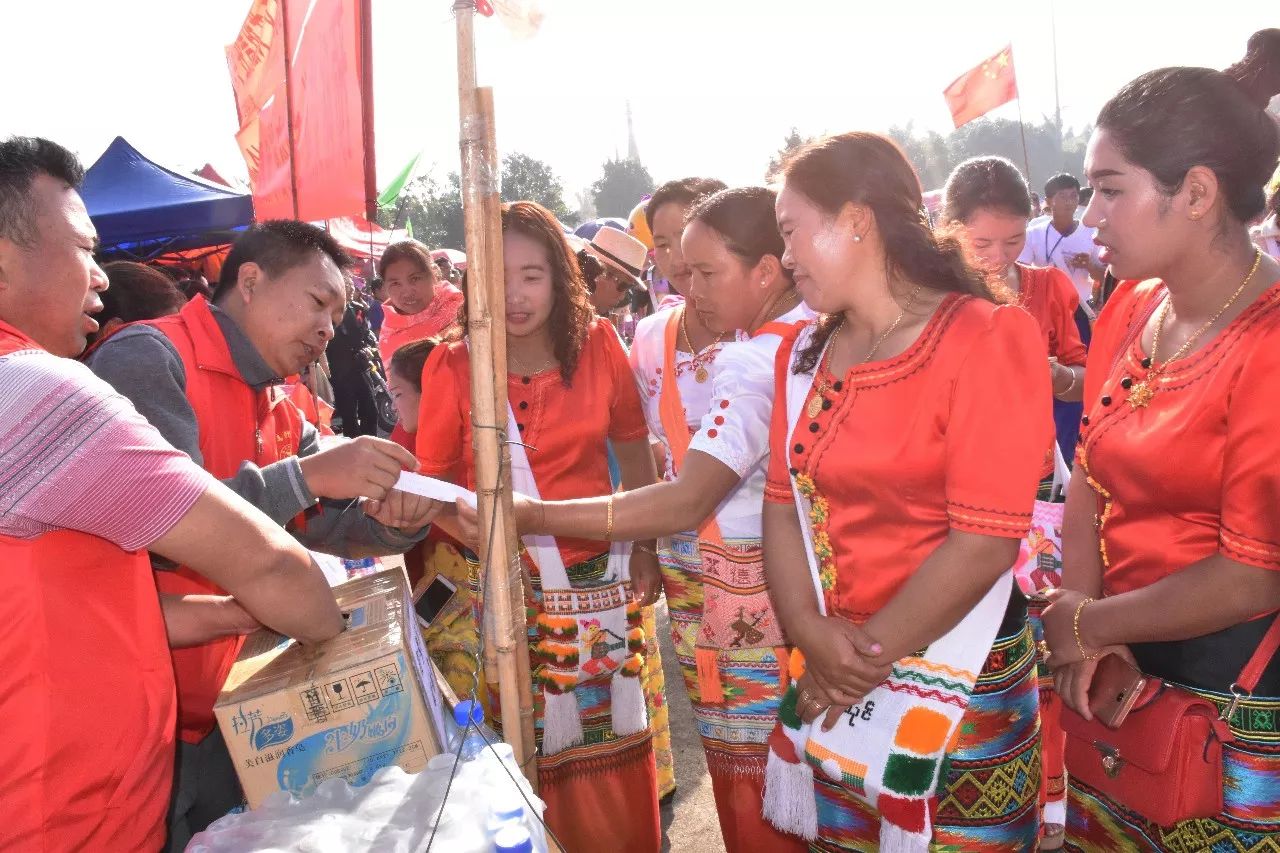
1259,72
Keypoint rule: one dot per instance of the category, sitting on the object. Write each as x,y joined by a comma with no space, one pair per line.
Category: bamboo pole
506,639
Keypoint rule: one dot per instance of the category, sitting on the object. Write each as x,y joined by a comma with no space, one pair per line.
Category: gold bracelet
645,548
608,524
1075,627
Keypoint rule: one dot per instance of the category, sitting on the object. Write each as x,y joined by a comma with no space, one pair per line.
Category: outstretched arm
659,509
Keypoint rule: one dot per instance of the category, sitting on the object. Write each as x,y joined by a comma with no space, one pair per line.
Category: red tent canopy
362,239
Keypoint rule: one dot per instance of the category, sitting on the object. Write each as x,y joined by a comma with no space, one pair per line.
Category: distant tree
434,211
793,141
620,187
928,152
1048,148
524,178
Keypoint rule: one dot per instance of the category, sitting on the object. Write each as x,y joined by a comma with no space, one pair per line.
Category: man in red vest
210,380
87,487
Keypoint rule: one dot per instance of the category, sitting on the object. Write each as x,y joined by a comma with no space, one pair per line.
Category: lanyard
1048,253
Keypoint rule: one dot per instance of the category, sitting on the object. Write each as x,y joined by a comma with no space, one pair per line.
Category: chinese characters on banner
318,97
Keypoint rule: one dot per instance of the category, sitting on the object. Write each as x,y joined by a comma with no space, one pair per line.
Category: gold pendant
700,375
815,406
1141,395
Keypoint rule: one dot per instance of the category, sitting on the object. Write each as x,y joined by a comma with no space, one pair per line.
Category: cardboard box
293,716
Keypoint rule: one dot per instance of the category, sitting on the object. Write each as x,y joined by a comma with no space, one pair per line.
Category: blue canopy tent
143,210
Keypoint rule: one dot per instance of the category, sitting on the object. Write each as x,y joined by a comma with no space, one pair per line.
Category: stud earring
857,238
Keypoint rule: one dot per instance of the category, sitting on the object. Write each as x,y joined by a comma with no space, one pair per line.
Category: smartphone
433,599
1116,686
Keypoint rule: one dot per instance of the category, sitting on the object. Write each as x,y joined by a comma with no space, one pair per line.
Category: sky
714,85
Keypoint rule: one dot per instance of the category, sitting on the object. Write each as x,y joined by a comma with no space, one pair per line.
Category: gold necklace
522,370
700,373
815,405
1145,389
792,297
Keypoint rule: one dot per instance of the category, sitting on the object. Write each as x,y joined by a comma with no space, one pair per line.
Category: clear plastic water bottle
512,838
507,808
476,737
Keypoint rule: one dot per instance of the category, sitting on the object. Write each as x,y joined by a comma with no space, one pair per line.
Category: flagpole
1057,103
503,583
288,108
366,114
1022,130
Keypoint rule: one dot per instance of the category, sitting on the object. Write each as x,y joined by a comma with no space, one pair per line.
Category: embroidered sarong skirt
603,793
734,732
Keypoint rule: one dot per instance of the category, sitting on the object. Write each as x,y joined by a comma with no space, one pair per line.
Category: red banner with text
297,75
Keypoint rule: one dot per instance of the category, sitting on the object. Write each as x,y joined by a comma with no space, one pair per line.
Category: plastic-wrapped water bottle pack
486,811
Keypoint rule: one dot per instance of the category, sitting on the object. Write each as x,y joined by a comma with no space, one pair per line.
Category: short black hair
1060,182
684,191
22,159
277,246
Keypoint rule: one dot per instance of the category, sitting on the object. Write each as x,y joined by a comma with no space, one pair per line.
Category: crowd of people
961,525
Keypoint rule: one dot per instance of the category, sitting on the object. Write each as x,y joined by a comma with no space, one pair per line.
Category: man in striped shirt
86,486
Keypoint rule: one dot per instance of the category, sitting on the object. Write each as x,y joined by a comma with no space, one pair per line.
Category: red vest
237,424
86,692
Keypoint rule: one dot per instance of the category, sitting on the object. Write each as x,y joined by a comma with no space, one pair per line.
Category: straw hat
620,251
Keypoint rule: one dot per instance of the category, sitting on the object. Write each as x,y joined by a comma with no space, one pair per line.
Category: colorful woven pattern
593,697
1250,820
655,697
734,731
991,774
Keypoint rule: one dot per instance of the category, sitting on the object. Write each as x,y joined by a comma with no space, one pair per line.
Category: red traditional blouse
947,435
1048,295
565,427
1195,472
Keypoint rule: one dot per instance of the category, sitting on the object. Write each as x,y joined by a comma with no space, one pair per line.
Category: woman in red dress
570,391
1172,539
915,478
986,199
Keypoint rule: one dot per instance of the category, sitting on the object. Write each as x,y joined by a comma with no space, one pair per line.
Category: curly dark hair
571,311
869,169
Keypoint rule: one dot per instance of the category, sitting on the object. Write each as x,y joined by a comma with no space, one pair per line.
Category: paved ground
689,818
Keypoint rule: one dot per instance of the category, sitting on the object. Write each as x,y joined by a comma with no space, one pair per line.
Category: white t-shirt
1046,247
735,430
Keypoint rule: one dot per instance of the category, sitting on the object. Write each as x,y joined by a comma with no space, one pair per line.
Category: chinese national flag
980,90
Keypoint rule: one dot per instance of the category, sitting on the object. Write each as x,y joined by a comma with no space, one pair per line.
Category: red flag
979,91
320,93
